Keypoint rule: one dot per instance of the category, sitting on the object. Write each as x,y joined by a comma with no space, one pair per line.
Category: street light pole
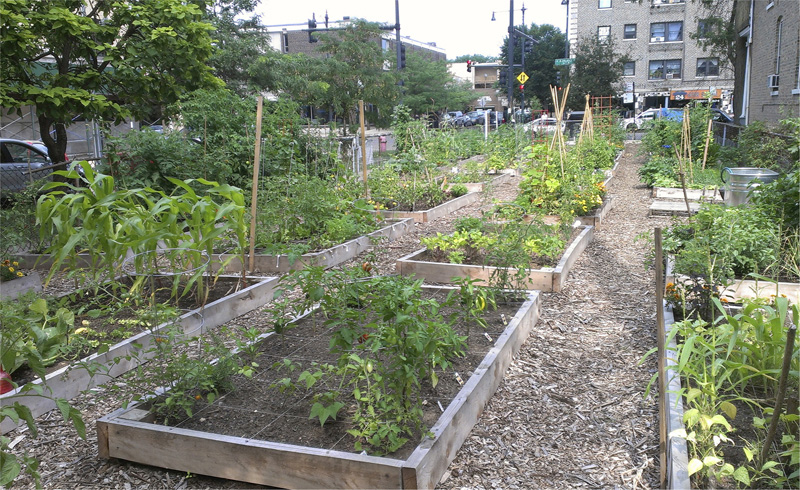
510,68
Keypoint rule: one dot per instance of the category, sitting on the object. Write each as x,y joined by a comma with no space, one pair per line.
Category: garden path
570,412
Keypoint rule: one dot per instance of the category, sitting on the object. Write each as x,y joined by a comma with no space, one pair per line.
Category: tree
597,70
540,62
430,87
240,43
475,58
104,60
355,70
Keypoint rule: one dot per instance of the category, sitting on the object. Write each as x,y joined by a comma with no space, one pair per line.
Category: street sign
523,77
565,61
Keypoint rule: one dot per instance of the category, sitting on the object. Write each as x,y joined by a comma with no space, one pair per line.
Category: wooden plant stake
776,414
363,145
682,175
254,193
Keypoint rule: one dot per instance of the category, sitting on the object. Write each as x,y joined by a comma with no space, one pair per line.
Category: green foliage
311,213
111,45
758,147
538,64
107,224
389,340
597,70
32,334
720,363
18,219
720,243
429,87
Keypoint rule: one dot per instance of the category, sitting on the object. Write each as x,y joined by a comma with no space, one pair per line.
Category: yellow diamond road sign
522,77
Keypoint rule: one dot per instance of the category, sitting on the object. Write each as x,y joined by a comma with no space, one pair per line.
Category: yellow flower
11,269
81,330
20,274
15,263
85,323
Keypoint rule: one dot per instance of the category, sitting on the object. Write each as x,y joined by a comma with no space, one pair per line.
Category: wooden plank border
546,279
96,369
125,434
278,264
437,212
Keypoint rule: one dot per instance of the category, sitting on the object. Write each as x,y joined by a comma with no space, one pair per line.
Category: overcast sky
458,26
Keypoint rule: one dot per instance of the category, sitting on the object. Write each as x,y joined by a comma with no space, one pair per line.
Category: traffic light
469,65
558,79
503,77
528,46
402,55
312,24
521,87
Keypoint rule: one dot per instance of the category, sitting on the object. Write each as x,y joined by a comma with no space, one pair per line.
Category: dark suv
21,164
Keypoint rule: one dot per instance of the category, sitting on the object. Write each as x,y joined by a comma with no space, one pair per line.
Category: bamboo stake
708,141
682,175
254,192
776,414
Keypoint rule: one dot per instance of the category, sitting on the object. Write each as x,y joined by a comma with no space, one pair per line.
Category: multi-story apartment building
294,38
767,60
668,67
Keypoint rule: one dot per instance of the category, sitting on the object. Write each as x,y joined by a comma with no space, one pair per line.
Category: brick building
669,68
294,38
767,60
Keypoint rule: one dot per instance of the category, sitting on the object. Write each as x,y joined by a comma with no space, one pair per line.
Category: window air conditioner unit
657,39
772,81
669,75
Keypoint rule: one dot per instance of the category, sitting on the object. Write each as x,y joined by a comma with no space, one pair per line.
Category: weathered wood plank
435,212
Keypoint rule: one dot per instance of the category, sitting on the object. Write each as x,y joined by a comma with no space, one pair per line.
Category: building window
604,4
664,70
629,69
703,29
603,32
707,67
665,2
285,42
630,31
666,32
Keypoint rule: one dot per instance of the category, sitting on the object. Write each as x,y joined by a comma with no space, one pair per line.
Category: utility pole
510,68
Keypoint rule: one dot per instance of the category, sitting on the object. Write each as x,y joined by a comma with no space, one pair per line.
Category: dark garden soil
256,409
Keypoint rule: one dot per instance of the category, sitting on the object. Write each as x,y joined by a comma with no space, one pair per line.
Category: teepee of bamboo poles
587,125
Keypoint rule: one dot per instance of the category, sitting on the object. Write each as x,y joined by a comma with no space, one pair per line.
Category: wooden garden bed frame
128,434
437,212
547,279
69,381
330,257
16,287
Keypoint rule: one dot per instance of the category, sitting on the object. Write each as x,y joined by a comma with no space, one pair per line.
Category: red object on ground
5,382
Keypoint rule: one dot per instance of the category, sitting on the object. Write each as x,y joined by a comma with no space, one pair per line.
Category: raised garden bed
436,212
272,264
16,287
706,195
502,178
96,369
547,279
130,434
677,474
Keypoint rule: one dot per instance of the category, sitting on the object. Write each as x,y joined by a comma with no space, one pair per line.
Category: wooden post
662,374
363,145
254,193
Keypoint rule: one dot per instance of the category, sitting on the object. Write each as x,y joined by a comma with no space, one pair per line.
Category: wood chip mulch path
570,412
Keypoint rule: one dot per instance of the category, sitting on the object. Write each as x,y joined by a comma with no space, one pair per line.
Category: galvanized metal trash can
741,181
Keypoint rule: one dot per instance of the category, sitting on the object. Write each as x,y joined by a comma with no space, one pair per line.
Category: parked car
476,117
634,123
542,126
572,123
22,163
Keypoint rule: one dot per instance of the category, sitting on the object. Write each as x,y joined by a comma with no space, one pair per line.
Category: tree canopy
597,70
103,60
430,87
540,62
